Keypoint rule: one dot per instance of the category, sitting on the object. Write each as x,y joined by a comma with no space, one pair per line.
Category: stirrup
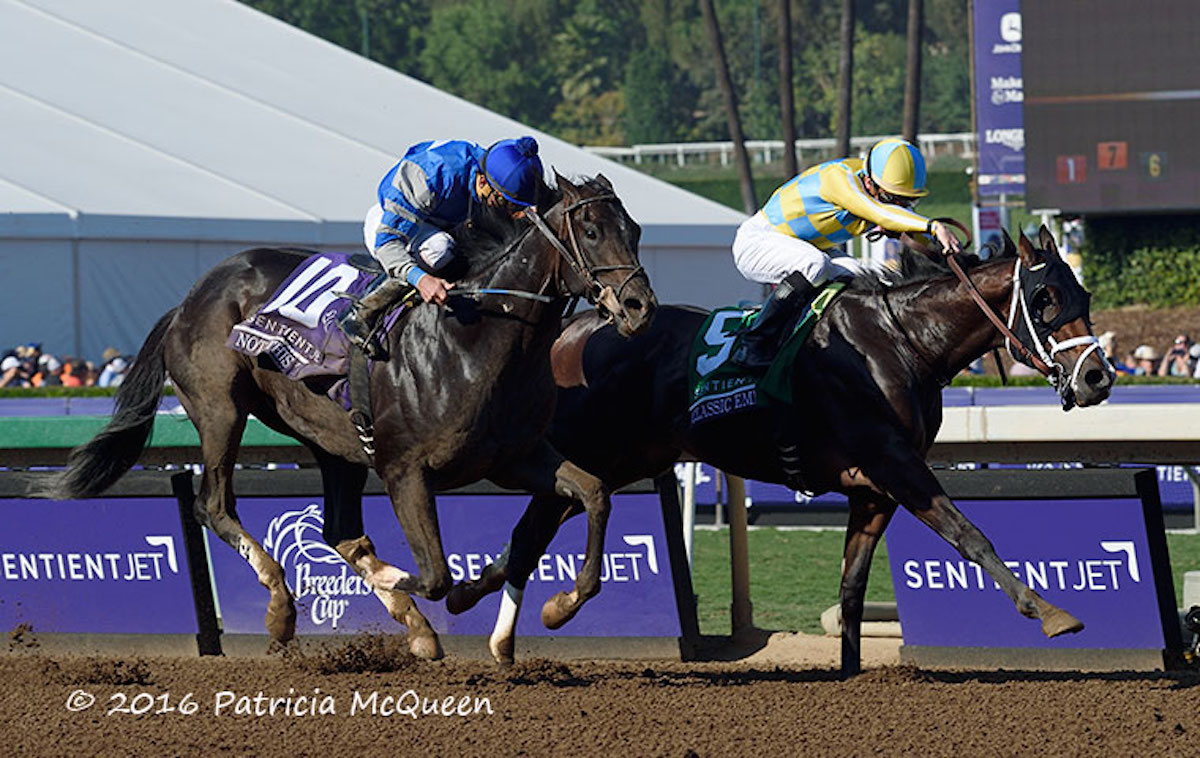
360,334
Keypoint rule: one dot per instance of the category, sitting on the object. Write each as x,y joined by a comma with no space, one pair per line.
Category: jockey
421,198
794,241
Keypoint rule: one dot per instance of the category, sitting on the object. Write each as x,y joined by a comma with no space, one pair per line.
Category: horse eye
590,233
1045,305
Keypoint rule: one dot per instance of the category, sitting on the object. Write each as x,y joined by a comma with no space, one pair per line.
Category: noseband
574,257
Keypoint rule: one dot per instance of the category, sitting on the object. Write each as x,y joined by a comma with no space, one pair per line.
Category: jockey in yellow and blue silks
794,241
425,195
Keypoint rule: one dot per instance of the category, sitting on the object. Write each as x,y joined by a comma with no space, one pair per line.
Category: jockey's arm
840,187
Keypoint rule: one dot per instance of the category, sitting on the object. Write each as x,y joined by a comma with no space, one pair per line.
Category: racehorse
467,395
867,387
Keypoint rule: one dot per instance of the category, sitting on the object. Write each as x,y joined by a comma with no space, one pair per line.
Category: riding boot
358,322
757,346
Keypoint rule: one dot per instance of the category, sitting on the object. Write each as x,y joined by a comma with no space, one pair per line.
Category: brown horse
468,395
868,387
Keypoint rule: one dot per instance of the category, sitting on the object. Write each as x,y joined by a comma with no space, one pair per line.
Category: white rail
765,151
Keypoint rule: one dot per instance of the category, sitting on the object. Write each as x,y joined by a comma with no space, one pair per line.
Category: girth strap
360,401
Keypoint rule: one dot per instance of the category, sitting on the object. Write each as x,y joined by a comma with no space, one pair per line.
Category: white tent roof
199,118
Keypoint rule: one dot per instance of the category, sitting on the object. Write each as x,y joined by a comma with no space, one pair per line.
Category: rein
1010,339
573,257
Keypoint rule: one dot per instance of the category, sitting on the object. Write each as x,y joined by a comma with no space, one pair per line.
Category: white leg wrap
506,619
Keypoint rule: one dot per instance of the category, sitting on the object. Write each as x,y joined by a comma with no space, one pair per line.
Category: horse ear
604,181
1046,240
565,186
1009,249
1028,254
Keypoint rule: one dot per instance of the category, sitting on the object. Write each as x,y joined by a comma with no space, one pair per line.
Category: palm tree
740,156
845,78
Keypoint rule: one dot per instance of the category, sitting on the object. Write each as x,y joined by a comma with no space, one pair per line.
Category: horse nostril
633,304
1097,378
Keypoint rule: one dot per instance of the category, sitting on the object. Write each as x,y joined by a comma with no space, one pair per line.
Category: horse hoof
426,647
281,623
502,652
558,611
459,599
1059,622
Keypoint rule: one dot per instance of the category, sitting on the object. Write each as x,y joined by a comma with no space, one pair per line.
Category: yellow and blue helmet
898,167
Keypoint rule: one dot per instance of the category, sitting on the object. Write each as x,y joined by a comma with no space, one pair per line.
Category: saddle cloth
296,331
717,387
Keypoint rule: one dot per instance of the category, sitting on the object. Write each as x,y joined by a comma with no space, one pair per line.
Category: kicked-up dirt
368,697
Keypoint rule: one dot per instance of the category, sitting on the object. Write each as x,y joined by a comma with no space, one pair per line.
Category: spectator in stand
1195,354
1145,361
73,371
1177,361
12,372
1108,343
49,372
113,372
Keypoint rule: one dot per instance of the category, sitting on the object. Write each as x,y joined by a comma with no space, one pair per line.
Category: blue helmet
513,168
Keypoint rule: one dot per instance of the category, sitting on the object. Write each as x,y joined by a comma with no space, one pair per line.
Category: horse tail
98,463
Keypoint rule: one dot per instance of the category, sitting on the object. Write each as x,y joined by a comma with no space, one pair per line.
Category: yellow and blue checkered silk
826,205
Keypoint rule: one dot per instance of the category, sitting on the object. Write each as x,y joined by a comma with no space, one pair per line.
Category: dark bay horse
868,387
467,395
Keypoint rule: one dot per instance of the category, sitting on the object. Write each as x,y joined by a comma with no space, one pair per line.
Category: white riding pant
764,254
434,247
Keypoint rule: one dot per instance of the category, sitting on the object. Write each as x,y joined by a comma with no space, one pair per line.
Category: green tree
493,54
652,113
392,30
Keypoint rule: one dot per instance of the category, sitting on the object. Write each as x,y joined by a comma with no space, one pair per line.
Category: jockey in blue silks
421,199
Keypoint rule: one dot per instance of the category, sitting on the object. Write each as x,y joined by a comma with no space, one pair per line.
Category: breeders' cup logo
1115,566
314,570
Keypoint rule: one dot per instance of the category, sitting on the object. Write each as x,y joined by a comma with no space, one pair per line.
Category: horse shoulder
566,355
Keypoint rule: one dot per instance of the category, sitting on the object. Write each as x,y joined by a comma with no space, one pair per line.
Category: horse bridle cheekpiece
1031,290
596,291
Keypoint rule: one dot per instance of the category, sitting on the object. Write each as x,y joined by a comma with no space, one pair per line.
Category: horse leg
870,513
220,422
912,484
546,472
530,538
343,484
416,509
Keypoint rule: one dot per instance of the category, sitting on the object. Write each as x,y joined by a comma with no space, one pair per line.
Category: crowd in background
1180,359
27,366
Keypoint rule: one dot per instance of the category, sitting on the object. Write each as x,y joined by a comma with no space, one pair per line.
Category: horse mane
914,267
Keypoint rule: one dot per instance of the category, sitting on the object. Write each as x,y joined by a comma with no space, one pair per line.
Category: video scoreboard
1112,105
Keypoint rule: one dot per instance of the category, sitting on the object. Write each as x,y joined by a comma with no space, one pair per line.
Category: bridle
574,257
1045,362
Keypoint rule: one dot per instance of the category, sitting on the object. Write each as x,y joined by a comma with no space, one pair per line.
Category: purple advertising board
999,93
103,566
637,596
1095,558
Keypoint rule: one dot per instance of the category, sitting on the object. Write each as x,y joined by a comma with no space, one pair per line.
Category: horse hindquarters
215,387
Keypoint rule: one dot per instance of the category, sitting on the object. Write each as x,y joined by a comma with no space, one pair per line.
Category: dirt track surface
603,708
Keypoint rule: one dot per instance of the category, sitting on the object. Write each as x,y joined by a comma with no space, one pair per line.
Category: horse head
1054,320
598,241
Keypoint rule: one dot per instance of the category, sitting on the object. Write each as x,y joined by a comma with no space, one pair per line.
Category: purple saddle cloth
296,331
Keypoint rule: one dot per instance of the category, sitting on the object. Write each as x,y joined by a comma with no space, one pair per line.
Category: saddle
296,332
718,386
